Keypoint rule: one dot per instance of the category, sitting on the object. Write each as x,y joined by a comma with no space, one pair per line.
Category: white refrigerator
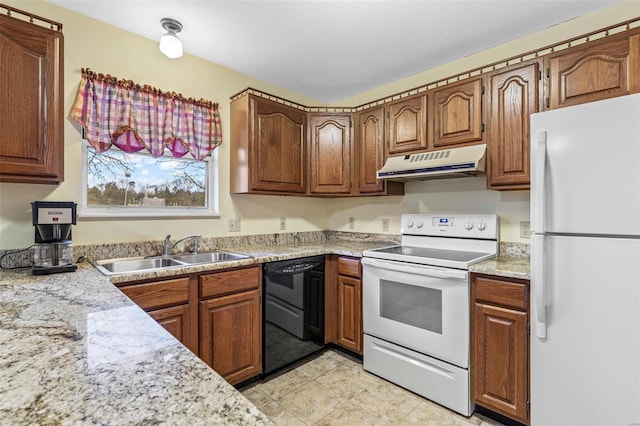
585,264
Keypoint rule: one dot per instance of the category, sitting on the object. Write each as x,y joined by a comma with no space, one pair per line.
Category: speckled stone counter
504,267
261,254
513,262
75,350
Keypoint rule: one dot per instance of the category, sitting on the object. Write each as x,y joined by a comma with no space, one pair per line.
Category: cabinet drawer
159,294
227,282
349,266
512,294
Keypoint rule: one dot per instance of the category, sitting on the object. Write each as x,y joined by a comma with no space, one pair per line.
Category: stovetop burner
432,253
450,241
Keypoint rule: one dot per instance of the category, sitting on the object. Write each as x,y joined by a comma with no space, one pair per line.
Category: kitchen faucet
167,246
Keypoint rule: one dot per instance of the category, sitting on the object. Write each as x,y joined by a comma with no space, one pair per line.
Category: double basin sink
138,264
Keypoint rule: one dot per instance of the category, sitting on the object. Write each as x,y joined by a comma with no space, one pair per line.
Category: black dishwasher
293,324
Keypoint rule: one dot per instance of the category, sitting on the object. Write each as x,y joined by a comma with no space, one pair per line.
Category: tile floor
334,389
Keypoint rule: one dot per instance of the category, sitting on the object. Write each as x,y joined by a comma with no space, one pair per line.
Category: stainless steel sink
135,264
209,257
138,264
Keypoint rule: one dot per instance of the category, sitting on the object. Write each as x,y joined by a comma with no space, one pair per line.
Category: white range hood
453,162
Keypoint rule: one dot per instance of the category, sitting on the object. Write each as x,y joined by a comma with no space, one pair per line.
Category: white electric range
416,304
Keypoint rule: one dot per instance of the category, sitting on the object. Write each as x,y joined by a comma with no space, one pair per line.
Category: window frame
211,210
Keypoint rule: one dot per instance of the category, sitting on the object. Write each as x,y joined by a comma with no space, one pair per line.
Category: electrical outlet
283,223
385,225
525,229
352,223
234,225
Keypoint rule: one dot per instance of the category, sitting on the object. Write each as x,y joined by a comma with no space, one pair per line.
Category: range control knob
409,223
481,225
468,225
419,224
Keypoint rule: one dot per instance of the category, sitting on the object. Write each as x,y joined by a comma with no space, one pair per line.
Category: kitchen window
117,183
146,152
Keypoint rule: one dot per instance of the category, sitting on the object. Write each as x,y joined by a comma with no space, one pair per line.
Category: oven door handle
412,268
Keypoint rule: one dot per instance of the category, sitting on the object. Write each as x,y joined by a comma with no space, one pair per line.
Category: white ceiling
331,50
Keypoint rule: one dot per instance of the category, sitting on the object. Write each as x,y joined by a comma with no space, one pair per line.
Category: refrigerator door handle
539,183
538,282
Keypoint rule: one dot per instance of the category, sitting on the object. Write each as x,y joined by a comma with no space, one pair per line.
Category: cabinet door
457,113
231,335
598,70
499,368
278,150
408,125
177,321
514,96
31,89
370,150
330,154
350,313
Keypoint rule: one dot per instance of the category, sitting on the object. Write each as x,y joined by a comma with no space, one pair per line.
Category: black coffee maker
53,251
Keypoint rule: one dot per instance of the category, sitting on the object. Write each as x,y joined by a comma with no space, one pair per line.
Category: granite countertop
75,350
504,267
261,254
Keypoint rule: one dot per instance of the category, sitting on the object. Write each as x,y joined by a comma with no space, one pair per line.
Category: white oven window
412,305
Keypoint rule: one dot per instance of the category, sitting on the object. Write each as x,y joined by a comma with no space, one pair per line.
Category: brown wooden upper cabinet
370,147
408,124
330,153
515,94
268,147
31,132
370,153
457,113
594,71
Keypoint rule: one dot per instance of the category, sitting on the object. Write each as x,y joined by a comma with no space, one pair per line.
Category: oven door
423,308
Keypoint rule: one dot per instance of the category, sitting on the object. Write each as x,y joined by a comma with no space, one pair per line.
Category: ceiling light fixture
170,44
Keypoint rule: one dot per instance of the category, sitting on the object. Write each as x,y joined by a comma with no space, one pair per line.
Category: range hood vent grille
435,155
454,162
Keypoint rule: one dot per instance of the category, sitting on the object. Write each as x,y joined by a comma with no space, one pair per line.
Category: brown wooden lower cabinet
168,302
230,335
343,305
217,315
177,321
350,313
500,345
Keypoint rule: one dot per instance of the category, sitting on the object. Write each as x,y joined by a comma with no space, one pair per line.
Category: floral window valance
133,117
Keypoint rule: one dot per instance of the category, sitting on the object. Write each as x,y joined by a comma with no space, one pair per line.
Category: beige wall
106,49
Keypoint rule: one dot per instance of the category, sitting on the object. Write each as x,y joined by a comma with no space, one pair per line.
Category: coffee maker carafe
53,251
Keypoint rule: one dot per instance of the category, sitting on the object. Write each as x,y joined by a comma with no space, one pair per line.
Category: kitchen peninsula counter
75,350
